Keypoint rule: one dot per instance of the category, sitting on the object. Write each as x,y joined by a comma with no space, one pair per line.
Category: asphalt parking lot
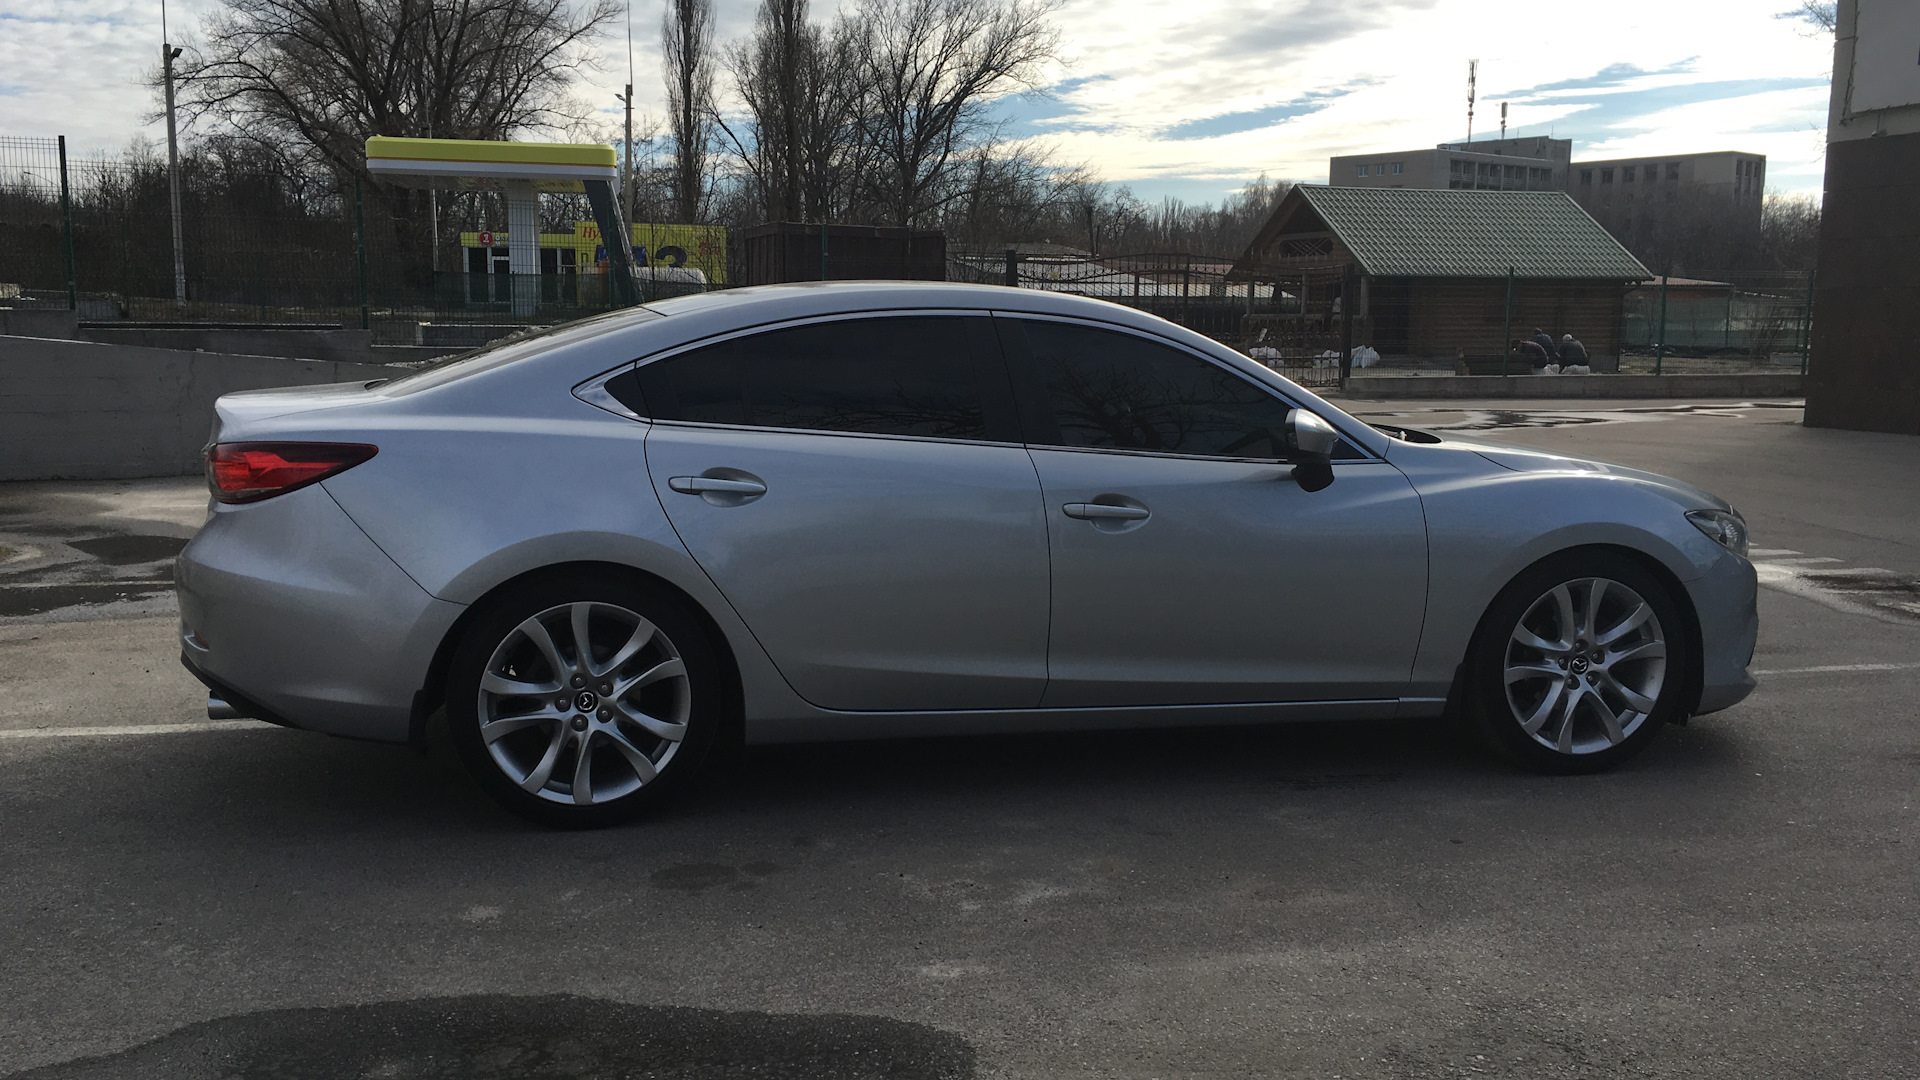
182,899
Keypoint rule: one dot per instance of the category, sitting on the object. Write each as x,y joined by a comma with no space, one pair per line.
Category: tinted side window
1108,389
937,376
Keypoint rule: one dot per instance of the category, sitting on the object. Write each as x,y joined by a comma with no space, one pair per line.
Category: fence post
1013,269
1806,323
360,244
823,249
1346,325
1506,335
1186,293
66,225
1660,346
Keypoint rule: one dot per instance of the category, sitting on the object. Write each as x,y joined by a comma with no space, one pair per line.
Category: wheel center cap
1578,665
586,702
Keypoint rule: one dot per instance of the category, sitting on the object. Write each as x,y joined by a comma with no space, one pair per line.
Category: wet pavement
94,549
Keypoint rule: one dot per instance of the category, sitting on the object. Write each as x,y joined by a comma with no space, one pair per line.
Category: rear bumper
289,612
1726,601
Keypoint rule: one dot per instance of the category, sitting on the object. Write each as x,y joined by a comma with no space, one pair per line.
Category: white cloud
1379,74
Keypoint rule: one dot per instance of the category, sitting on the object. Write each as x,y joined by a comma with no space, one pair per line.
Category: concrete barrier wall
39,322
317,343
1478,387
80,410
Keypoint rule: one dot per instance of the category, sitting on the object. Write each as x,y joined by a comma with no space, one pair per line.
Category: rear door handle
1104,512
705,485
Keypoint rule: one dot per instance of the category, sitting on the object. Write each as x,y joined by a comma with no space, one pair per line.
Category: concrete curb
1483,387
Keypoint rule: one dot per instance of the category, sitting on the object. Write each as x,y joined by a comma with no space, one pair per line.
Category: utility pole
167,56
1503,123
626,194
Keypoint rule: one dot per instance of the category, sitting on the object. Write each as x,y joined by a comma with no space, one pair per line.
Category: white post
523,245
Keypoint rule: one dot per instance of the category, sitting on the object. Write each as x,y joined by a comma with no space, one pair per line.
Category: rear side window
1102,388
932,376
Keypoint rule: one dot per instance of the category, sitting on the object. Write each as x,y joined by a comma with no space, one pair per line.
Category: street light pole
168,54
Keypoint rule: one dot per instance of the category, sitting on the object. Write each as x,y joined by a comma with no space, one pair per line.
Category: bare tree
799,142
1789,232
317,77
1822,15
928,70
686,38
767,71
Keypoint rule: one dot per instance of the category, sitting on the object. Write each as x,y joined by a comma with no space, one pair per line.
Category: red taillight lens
251,471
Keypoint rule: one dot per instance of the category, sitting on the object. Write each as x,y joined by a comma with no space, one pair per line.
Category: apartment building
1530,164
1639,197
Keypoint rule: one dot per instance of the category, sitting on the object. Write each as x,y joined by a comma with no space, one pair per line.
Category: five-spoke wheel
574,702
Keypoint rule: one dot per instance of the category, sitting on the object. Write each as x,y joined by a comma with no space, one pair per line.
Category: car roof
803,298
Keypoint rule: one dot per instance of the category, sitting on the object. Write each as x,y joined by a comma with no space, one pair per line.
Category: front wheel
1579,663
580,702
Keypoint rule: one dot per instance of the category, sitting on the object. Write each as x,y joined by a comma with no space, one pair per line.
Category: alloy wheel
1585,665
584,703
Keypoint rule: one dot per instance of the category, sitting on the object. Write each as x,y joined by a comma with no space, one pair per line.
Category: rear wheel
1579,663
582,701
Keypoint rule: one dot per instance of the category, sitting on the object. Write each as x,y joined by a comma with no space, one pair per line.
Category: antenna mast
1473,75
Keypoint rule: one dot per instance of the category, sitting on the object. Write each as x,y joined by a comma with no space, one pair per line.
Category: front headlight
1726,527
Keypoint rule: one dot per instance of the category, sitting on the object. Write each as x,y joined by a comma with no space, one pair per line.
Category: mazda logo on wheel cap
585,701
1578,665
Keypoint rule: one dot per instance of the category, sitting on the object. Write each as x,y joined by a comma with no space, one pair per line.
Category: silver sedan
869,510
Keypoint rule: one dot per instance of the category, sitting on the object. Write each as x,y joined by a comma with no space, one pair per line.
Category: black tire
1600,678
538,731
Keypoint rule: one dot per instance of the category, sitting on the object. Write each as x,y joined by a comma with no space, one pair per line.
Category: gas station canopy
469,164
521,172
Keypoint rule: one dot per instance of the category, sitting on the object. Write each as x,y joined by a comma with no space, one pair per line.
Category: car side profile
861,510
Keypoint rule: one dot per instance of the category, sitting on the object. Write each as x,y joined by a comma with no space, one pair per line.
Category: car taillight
250,471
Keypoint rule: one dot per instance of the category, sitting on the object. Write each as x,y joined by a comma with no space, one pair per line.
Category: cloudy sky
1191,98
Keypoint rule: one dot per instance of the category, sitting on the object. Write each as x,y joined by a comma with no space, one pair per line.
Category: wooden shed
1446,274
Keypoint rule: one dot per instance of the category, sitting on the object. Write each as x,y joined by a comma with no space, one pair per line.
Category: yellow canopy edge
482,152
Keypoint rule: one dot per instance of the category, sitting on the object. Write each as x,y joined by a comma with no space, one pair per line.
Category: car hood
1526,459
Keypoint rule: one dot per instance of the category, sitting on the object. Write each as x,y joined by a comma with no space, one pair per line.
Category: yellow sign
696,247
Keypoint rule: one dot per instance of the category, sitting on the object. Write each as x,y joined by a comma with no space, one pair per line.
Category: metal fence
262,248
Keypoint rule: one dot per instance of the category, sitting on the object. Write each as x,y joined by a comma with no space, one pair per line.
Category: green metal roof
1416,232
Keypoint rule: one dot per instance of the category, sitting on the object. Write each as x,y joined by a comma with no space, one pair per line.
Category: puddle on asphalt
557,1037
18,600
1866,590
127,550
1894,592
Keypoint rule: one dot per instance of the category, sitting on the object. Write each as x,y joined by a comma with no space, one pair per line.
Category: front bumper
1726,601
289,607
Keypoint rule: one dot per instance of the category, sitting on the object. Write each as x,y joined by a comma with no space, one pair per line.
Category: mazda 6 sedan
885,509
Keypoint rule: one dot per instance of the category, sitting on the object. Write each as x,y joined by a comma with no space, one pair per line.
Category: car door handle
706,485
1104,512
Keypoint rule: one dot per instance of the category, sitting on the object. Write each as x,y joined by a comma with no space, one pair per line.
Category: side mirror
1310,445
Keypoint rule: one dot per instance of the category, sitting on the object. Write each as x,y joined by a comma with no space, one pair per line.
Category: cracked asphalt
1360,900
